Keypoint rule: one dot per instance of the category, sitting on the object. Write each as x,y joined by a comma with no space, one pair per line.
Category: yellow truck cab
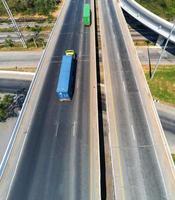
69,52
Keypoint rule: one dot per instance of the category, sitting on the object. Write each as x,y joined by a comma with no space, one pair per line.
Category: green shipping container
87,15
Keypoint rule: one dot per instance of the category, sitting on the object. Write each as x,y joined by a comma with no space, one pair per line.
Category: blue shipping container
65,85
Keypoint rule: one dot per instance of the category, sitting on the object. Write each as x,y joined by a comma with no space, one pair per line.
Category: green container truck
87,14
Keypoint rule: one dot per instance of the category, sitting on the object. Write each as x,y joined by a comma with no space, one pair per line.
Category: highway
55,160
11,85
19,58
29,59
136,168
153,53
167,118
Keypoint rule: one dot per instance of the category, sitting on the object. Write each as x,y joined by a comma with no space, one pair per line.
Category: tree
43,7
8,42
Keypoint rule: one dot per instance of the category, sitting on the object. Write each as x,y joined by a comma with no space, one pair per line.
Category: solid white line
133,132
124,87
74,128
56,130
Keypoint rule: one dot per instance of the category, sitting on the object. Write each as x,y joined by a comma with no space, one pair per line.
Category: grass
28,29
17,46
173,155
143,43
5,102
163,85
20,48
162,8
19,69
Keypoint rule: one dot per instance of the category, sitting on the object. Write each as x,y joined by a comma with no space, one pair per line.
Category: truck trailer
66,79
87,14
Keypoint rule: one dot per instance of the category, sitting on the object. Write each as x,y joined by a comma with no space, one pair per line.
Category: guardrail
22,113
152,21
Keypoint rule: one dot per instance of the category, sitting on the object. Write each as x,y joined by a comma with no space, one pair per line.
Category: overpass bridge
149,19
57,143
54,151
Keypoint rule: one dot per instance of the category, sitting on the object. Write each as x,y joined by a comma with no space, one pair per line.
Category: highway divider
112,126
95,186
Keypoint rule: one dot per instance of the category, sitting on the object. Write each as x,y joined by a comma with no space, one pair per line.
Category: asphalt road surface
141,177
167,118
153,54
31,58
55,161
19,59
11,85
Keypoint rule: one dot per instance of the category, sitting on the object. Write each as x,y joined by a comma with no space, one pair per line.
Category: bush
43,7
163,8
8,42
4,105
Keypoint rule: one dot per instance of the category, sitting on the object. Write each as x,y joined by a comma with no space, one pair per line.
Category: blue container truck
66,79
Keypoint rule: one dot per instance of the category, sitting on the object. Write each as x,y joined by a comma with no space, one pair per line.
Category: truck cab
70,52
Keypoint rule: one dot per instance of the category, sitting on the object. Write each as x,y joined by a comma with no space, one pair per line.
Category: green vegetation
173,155
18,47
8,42
19,69
34,42
143,43
28,28
42,7
5,102
163,85
163,8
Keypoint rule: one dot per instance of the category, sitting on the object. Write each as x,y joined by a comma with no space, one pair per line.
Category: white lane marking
124,87
133,132
74,128
56,130
77,85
